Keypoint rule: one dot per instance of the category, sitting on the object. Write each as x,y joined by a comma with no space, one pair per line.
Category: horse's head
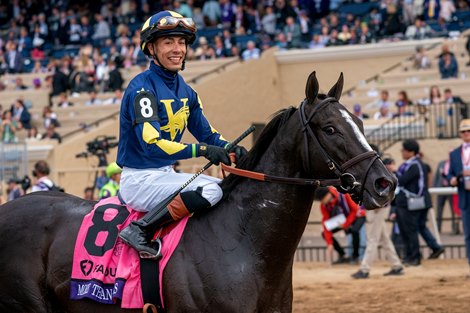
334,135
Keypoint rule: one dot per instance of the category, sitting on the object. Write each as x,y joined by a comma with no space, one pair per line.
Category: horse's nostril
382,186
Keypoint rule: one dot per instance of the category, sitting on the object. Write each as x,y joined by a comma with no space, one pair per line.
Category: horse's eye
330,130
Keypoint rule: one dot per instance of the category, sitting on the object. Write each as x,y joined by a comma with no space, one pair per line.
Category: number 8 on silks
145,107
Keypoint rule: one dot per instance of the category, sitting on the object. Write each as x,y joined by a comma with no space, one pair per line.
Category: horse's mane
265,138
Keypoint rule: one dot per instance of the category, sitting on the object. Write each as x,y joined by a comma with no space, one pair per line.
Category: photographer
14,191
42,182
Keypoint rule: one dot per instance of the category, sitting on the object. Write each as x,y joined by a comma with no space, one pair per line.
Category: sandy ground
435,286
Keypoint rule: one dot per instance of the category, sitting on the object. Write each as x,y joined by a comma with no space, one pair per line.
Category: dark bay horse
238,256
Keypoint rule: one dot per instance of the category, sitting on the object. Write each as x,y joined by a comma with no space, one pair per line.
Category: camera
25,182
101,144
99,147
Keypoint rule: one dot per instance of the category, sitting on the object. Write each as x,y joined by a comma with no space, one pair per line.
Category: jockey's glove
240,152
214,154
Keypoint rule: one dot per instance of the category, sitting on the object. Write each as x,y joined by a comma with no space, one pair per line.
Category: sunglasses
170,22
465,131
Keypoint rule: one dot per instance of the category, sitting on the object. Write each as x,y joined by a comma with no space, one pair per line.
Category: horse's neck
273,215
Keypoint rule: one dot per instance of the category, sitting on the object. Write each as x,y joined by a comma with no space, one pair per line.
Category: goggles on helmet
170,22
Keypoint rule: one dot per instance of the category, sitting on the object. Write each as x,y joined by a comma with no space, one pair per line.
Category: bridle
346,181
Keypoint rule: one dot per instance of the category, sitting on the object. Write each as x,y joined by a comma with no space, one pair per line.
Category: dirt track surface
437,286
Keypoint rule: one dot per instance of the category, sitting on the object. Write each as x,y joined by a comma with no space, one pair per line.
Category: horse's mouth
371,202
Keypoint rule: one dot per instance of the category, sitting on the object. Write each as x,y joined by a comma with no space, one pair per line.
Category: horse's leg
22,294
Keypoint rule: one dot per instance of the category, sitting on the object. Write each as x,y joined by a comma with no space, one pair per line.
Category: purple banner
96,290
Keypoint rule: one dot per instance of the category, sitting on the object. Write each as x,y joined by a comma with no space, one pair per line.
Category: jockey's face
170,52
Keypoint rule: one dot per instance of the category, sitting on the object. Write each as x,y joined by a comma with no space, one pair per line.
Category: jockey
111,188
156,108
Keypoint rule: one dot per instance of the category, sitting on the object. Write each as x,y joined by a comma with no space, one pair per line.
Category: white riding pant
143,189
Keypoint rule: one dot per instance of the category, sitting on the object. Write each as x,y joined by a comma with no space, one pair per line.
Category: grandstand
226,84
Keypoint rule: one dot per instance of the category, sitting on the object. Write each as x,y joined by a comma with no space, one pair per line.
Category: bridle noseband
347,181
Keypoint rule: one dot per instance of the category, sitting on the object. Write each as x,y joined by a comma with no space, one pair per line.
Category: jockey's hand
240,152
214,154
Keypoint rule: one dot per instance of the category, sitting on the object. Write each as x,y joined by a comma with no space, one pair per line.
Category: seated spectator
334,204
419,30
324,35
115,78
37,83
384,99
51,134
421,60
204,51
315,43
333,40
64,101
357,111
33,134
116,100
93,100
49,117
219,49
365,35
435,95
281,42
384,112
8,128
403,103
448,66
449,98
19,85
21,114
344,36
251,52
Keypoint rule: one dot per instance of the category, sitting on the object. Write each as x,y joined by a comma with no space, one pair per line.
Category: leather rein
346,181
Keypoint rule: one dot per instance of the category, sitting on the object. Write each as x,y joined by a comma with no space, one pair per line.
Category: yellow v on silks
177,122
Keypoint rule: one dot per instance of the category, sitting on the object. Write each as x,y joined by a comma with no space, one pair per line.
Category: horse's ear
337,89
311,89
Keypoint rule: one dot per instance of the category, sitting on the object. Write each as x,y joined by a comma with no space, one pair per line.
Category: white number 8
145,107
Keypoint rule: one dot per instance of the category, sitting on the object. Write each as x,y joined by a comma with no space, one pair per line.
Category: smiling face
170,52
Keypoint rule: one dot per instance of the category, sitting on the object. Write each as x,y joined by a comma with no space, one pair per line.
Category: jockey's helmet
112,169
166,23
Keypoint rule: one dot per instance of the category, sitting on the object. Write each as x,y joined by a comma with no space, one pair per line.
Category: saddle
107,270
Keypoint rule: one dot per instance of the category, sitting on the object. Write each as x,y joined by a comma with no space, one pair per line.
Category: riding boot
139,233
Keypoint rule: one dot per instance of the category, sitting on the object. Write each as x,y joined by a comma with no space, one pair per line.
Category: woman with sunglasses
156,108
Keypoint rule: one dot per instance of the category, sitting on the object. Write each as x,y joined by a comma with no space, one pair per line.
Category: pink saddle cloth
105,269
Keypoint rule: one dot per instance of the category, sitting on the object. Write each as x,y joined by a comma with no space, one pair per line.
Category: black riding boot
139,233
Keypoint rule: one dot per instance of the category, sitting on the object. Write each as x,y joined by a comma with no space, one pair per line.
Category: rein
346,181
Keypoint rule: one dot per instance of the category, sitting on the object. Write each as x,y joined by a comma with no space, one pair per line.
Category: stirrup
156,257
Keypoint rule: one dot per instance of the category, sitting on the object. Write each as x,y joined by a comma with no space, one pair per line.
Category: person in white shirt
251,52
42,181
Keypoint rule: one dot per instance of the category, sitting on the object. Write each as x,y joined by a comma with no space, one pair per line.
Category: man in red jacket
348,216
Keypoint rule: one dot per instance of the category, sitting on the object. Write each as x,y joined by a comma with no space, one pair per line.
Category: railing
319,253
418,122
217,69
13,161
